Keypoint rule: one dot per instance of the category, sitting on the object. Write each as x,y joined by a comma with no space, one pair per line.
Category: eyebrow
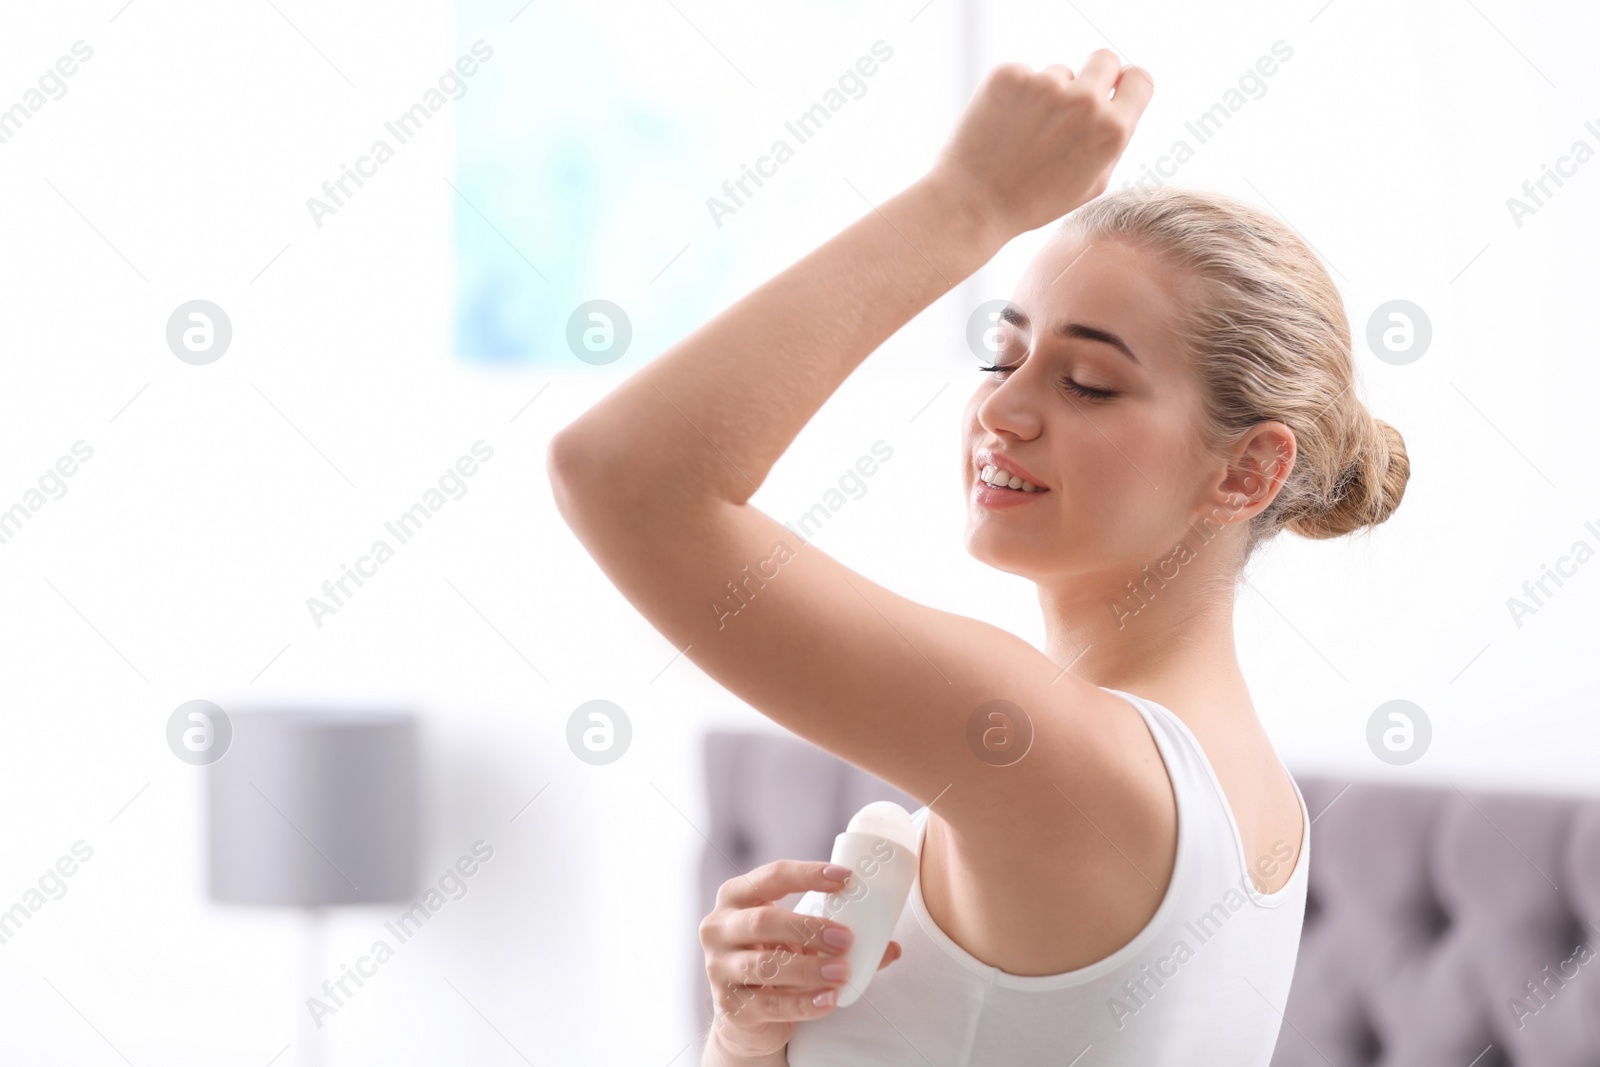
1015,316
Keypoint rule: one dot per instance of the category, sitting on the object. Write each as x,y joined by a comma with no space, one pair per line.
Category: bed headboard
1429,911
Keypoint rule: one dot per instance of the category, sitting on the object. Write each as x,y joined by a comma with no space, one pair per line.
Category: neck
1161,629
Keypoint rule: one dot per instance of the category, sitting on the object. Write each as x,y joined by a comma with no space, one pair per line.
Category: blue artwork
577,179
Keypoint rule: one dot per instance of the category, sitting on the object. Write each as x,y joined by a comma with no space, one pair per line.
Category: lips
983,457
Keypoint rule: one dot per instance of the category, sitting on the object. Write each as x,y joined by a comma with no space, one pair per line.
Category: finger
750,1006
1134,89
1100,70
772,926
776,880
1013,70
1059,70
779,968
890,954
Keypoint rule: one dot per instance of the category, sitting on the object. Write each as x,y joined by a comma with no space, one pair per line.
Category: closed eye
1084,391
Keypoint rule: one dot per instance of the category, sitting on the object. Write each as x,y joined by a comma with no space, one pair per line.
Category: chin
987,551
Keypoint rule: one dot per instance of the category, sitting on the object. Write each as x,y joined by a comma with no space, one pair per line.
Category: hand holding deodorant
879,846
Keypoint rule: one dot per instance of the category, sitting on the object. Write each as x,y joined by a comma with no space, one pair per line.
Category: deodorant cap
886,819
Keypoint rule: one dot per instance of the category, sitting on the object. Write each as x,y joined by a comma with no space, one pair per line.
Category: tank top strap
919,819
1204,803
1187,764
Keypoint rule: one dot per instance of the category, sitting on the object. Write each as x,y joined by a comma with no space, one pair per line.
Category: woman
1173,386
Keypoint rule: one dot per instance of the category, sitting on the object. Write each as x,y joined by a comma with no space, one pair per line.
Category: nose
1009,409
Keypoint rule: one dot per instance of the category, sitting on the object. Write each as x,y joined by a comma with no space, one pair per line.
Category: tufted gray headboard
1443,928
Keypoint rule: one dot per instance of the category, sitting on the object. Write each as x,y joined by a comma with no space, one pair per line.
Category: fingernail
837,937
835,873
823,999
835,970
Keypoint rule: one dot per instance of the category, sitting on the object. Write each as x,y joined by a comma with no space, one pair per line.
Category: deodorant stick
879,847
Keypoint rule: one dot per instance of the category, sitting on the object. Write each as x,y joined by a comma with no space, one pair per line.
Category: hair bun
1368,491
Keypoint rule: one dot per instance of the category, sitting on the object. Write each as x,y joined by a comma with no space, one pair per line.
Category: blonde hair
1270,340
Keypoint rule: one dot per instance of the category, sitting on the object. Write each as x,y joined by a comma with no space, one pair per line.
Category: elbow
562,455
591,482
564,464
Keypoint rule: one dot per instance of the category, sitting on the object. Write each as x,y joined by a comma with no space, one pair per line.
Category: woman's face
1122,473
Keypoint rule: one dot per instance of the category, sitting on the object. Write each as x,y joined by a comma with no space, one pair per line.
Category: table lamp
309,808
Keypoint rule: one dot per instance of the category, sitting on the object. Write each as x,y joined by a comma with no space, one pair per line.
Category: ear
1256,469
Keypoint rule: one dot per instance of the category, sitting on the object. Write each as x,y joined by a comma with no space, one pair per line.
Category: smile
999,478
989,493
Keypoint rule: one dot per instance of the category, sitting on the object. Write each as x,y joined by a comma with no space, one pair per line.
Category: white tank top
1203,983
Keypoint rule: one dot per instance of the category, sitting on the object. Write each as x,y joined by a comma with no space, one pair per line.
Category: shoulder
1093,776
1262,799
1278,838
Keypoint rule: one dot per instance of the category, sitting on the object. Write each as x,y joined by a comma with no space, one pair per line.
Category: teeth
994,476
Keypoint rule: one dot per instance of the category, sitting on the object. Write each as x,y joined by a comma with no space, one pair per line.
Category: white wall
178,563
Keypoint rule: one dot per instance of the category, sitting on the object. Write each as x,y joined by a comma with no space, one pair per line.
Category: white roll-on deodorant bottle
879,846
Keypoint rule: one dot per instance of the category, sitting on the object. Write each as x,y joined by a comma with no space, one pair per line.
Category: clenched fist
1033,145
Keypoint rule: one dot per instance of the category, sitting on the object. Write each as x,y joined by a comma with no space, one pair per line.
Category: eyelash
1082,390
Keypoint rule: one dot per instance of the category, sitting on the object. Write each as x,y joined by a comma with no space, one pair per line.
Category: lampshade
312,806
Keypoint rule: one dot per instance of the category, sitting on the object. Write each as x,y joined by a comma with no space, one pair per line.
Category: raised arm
708,418
655,478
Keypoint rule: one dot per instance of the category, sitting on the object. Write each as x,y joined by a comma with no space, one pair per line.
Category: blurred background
188,500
